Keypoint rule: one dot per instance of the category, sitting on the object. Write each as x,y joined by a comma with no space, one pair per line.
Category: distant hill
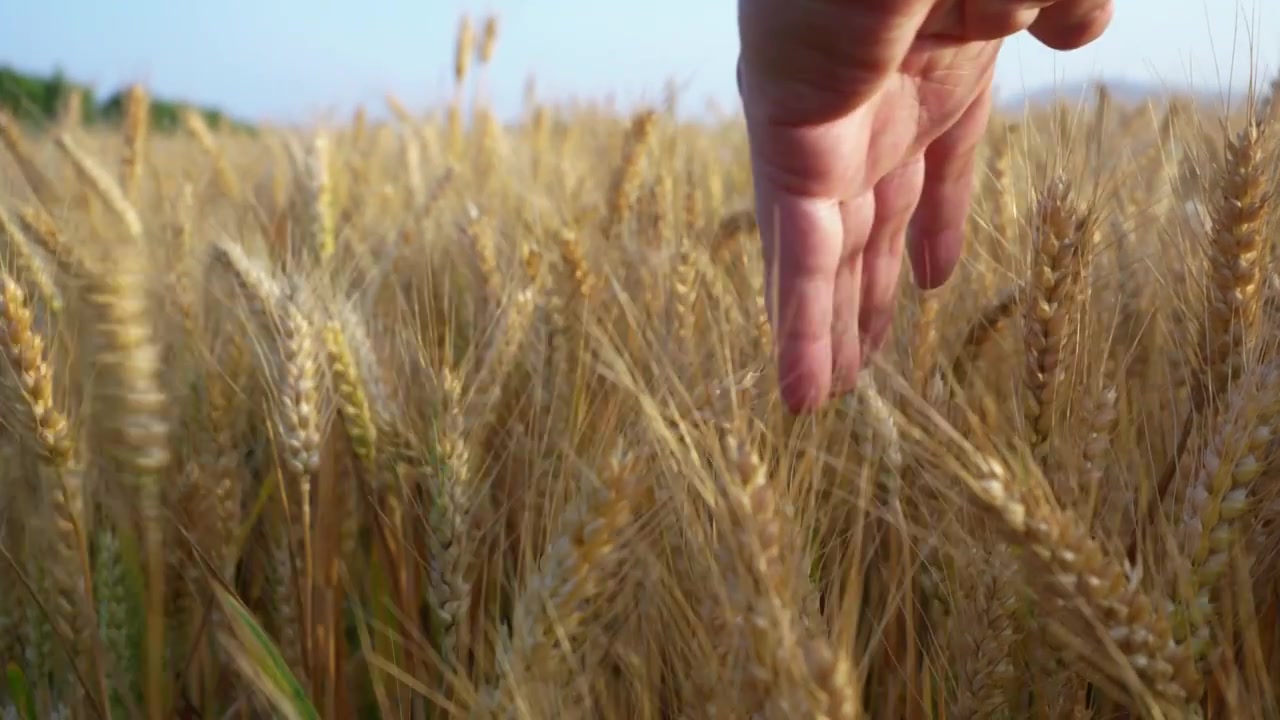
40,99
1124,92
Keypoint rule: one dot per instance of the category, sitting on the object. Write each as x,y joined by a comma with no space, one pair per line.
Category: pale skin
863,118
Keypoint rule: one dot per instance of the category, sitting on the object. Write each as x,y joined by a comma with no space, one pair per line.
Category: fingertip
804,377
934,258
802,397
846,364
1069,26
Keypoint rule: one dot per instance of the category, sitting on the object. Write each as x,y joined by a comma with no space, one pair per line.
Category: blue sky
293,60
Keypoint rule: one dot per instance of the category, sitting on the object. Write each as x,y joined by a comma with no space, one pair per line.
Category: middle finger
897,195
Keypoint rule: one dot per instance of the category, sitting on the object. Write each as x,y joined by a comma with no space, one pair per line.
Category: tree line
41,100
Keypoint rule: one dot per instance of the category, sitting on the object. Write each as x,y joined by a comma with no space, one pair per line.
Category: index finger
802,239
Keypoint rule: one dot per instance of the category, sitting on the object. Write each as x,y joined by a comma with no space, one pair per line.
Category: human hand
863,118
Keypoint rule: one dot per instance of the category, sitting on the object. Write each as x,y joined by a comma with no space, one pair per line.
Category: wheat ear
574,571
137,119
453,493
132,426
1060,242
29,267
103,184
1219,500
46,430
1094,593
44,188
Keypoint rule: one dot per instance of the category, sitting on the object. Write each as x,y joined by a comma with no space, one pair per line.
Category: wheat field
442,417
